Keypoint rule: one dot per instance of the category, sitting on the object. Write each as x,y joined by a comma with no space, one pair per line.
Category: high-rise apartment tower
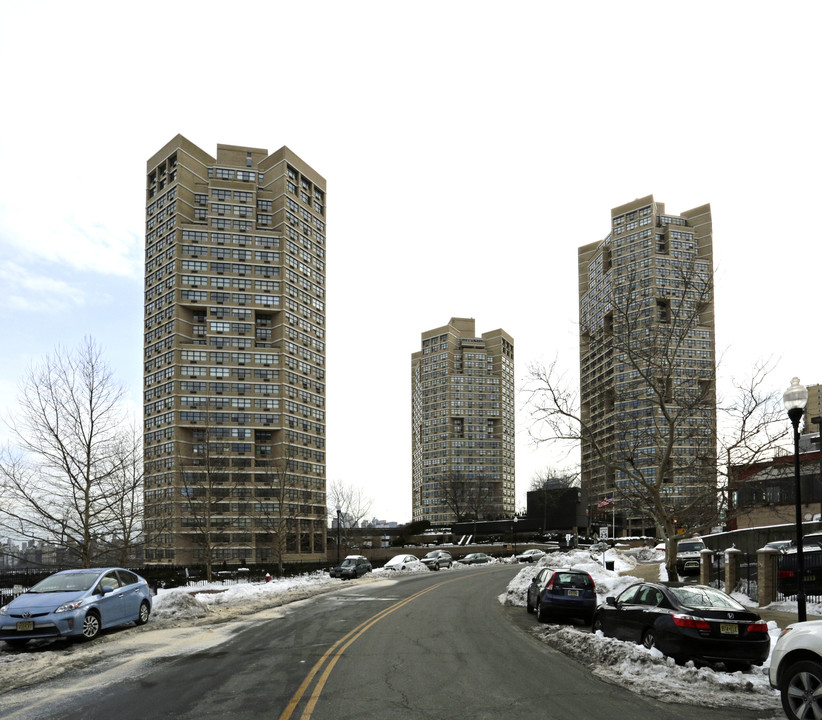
647,365
462,415
234,353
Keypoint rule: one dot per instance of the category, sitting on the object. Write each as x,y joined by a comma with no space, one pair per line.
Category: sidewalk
782,618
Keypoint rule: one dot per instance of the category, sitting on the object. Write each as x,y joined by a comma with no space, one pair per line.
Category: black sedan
686,622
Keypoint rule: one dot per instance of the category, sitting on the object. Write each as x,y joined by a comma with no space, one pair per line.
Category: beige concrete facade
234,353
646,285
462,439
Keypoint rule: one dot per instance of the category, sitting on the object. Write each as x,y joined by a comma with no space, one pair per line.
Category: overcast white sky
495,137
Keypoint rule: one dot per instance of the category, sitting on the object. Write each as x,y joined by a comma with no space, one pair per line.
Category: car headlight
4,610
66,607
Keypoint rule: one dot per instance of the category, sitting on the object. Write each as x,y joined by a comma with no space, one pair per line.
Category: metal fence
747,582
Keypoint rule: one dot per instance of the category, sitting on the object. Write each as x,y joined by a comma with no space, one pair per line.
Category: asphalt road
437,646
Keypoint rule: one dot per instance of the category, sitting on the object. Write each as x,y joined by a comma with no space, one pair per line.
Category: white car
404,562
530,555
796,669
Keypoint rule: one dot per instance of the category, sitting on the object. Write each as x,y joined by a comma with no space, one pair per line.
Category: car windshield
433,554
348,562
71,582
690,546
703,597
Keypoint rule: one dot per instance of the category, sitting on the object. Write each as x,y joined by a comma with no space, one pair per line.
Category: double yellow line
327,662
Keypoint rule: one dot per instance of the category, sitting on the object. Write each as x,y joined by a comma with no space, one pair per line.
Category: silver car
76,603
437,559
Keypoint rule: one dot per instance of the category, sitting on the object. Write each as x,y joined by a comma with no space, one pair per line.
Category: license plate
728,629
25,626
573,593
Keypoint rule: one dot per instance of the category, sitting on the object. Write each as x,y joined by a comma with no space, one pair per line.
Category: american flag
606,501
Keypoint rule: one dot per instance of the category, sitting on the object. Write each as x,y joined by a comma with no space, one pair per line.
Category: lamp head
796,396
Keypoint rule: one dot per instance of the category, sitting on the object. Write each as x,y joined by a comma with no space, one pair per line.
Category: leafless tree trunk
60,471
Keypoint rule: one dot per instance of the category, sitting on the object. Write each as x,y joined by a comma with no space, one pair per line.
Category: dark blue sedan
563,593
76,603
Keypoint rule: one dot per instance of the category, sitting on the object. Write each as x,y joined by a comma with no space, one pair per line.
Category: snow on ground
194,614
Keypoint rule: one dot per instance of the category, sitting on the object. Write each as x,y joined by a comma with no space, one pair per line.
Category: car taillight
758,626
784,574
551,582
689,621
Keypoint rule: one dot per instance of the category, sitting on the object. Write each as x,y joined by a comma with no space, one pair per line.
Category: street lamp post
339,513
795,398
515,535
817,420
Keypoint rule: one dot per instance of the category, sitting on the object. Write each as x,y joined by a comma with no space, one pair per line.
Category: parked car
796,669
353,566
437,559
76,603
566,593
476,559
787,575
531,555
687,556
403,562
686,621
779,544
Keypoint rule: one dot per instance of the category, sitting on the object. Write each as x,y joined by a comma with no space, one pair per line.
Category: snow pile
187,603
651,674
608,582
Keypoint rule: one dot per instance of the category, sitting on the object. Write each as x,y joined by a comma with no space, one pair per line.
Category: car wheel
91,626
528,606
142,616
16,643
596,624
436,566
649,638
801,690
542,612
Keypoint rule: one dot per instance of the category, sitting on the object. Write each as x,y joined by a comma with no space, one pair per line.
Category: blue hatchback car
566,593
76,603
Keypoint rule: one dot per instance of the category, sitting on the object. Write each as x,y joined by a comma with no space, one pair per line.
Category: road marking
329,659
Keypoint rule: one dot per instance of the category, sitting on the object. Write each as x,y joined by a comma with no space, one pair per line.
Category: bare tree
666,403
354,505
60,471
207,488
125,496
471,497
273,511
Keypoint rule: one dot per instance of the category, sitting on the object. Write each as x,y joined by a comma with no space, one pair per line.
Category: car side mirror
106,589
611,601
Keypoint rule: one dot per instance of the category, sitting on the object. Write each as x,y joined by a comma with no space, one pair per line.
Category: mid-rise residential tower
462,410
234,353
